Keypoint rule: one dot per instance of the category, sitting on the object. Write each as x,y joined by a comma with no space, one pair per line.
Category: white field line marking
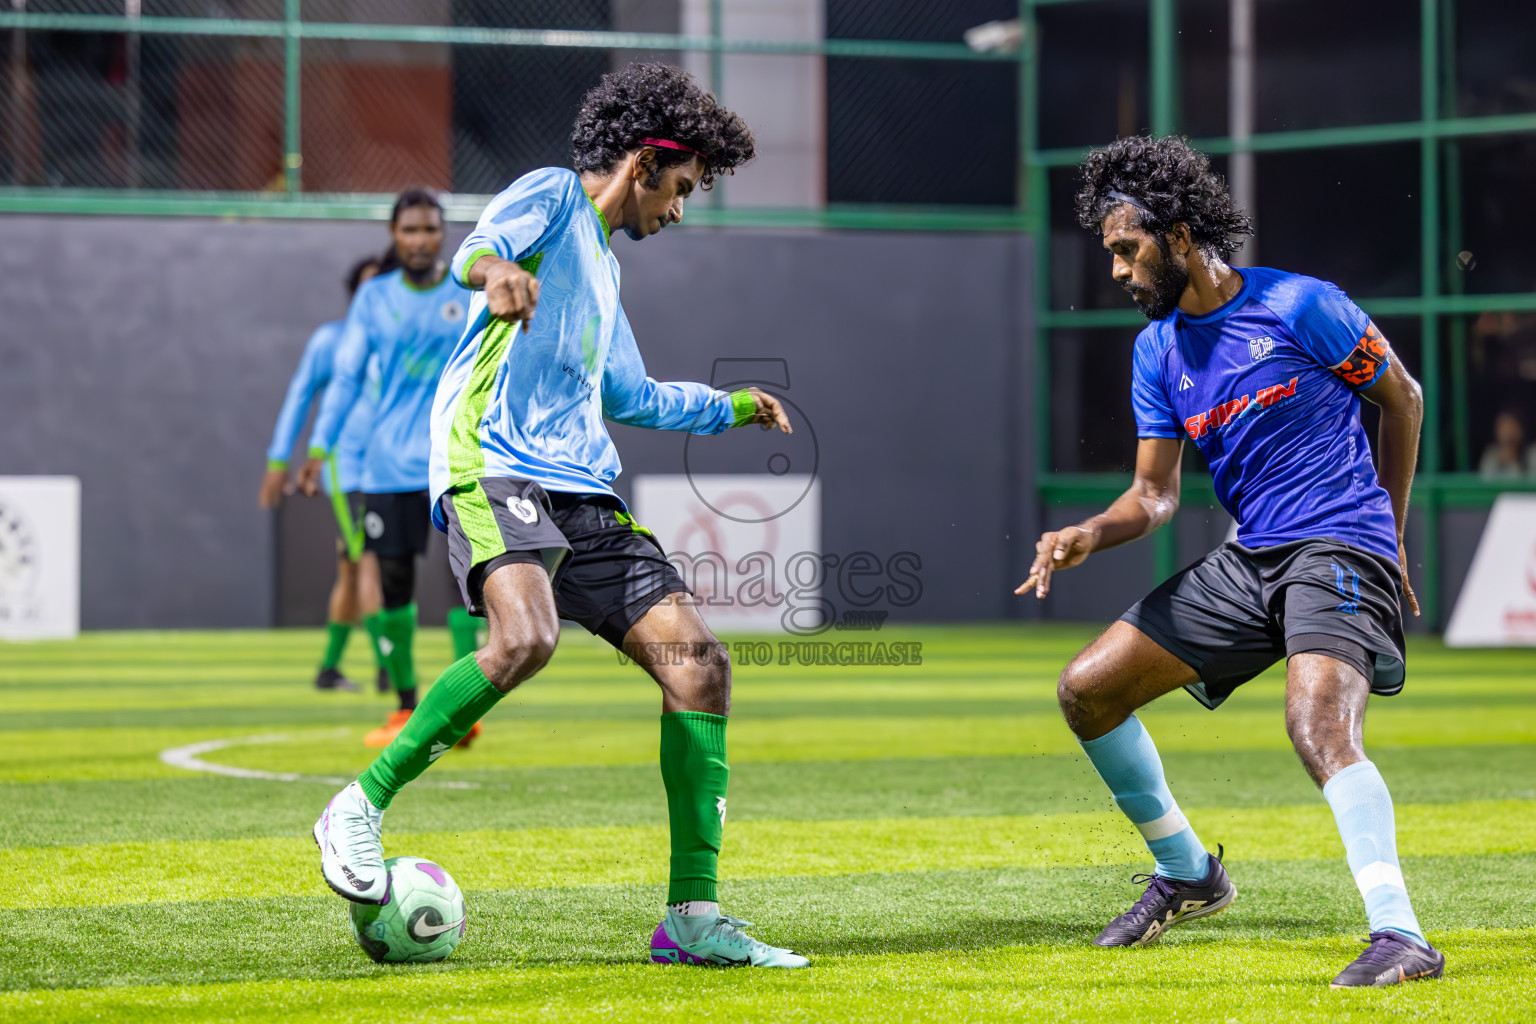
188,757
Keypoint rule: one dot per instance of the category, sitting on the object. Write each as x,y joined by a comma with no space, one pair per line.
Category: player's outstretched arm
1150,502
349,368
632,397
1401,401
311,376
770,412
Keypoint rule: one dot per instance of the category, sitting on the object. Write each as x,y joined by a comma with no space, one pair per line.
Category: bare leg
370,592
524,627
1325,713
1113,676
524,631
679,651
344,604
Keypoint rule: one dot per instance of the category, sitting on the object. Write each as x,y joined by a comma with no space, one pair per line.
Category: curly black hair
657,101
1170,183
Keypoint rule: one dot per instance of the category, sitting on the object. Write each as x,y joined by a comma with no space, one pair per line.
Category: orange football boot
384,734
469,737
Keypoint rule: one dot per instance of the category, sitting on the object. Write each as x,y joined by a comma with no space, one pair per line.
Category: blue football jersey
1267,388
311,379
410,332
531,405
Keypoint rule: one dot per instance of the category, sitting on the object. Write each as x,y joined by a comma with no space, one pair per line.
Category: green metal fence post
717,55
1455,282
1162,17
1429,273
717,75
293,158
1035,194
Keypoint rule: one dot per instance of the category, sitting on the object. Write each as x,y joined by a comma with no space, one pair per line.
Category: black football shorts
395,525
606,570
1239,610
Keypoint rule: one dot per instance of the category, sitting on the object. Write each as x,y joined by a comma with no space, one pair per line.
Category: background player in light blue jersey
342,479
408,321
522,473
1263,371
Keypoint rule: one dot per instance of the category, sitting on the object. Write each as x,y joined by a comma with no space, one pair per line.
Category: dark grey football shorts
1239,610
607,571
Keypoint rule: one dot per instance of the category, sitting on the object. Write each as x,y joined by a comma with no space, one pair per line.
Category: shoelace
728,930
1382,948
1158,890
360,827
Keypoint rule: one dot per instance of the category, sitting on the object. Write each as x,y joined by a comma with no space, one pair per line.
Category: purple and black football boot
1167,902
1391,959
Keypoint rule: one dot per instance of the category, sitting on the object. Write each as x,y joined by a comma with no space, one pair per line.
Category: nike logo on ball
426,932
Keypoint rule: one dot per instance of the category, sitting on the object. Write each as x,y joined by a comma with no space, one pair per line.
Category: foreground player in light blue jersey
1263,371
407,321
522,474
341,479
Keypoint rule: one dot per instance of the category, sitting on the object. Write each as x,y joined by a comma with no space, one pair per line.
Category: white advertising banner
748,545
1497,604
39,557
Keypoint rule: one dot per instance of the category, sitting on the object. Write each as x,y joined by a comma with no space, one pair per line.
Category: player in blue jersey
408,321
342,479
1263,371
522,474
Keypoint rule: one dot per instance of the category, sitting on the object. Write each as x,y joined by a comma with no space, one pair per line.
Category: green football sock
374,624
335,643
397,642
694,770
465,630
460,698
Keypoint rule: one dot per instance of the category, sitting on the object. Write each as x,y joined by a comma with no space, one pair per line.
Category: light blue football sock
1127,761
1363,809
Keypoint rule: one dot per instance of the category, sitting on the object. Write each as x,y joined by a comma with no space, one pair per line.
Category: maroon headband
669,144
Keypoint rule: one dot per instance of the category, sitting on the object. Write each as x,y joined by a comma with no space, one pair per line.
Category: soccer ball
422,921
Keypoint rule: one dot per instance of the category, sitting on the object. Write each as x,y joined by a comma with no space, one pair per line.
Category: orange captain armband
1362,365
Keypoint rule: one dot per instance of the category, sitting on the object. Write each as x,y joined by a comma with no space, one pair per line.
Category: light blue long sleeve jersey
531,405
410,331
309,380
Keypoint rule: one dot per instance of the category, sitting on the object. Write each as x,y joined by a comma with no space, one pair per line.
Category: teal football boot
703,939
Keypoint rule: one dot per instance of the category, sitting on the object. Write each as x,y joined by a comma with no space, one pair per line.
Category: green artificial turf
928,834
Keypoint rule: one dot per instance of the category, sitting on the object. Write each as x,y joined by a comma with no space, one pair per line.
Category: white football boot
351,853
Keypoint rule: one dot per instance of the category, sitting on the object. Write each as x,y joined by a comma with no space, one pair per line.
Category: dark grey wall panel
1460,530
1103,586
149,357
905,356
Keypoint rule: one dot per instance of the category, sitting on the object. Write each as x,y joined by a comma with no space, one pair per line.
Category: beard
1161,298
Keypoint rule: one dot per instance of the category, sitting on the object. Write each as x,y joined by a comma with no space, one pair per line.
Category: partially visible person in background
409,321
342,480
1507,457
1502,370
